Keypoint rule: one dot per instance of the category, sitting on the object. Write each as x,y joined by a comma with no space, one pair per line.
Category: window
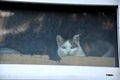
71,35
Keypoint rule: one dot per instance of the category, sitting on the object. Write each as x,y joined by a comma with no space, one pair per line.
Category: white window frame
56,72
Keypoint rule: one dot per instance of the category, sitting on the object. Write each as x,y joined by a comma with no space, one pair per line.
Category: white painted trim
74,2
57,72
118,29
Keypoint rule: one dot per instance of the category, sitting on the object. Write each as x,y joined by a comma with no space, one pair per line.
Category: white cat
69,47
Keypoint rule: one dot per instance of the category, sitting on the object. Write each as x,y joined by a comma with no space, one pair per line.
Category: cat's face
68,47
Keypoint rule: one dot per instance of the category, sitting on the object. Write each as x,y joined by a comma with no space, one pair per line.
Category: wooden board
44,60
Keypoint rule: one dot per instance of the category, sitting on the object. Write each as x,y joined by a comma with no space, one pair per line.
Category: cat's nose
68,53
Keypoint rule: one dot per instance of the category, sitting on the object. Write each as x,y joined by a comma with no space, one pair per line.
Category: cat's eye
63,47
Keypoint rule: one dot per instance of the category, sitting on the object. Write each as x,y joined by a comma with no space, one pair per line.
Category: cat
69,47
35,33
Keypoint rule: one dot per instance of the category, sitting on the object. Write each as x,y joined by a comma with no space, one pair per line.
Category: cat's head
67,47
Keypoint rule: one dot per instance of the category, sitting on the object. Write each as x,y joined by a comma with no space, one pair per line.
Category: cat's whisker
69,47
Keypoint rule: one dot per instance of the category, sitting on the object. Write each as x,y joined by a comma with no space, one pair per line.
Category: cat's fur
69,47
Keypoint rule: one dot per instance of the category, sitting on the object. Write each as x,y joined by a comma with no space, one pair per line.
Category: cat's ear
59,40
76,38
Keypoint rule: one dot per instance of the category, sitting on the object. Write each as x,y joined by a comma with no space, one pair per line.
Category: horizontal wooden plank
68,60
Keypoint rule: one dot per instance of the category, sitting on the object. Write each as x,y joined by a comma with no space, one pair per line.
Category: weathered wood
44,60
